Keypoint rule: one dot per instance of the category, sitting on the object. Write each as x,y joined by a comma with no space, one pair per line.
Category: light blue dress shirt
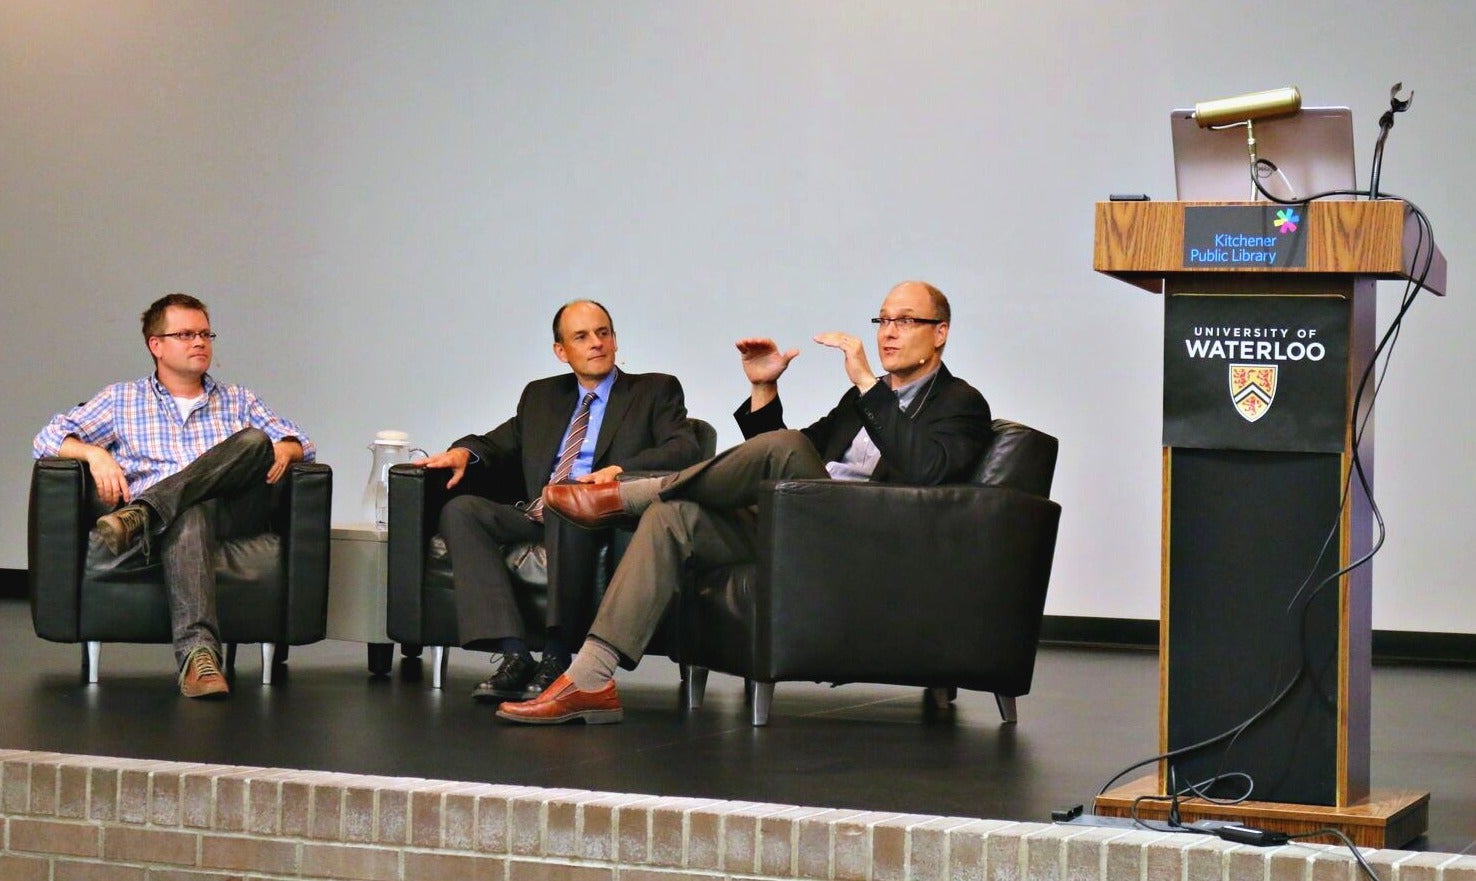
584,461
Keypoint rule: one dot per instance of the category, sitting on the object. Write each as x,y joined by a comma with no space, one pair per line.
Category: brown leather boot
119,529
201,676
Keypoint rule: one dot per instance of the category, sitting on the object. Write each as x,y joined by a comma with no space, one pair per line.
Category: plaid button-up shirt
140,425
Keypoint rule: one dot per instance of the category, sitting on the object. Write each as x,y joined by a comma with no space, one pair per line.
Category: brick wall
71,818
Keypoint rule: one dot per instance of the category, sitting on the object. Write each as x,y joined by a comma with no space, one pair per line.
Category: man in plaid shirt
170,454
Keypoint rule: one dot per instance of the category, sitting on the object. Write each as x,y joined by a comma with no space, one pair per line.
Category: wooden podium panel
1142,243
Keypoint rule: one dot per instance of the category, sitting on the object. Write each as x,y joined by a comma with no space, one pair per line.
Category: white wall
383,203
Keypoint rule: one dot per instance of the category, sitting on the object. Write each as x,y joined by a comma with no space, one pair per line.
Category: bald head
941,308
912,348
584,338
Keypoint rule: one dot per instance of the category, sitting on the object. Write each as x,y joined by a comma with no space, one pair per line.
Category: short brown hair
152,318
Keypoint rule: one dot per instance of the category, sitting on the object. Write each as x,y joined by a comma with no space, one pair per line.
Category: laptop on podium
1312,151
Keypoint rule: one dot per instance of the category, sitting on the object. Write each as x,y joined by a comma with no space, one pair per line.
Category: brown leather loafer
562,702
591,505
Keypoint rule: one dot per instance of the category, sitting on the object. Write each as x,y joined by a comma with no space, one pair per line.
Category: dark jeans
220,495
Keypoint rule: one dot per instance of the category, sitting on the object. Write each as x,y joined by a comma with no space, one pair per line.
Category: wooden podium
1269,322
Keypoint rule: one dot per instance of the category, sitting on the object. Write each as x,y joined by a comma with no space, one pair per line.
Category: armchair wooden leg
1007,710
763,698
268,650
91,651
440,656
694,681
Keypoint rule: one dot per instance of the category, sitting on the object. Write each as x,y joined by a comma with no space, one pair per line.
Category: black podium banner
1255,373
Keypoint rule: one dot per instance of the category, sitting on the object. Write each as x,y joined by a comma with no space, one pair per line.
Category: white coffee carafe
390,447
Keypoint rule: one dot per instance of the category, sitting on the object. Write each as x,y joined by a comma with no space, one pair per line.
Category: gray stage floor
1091,712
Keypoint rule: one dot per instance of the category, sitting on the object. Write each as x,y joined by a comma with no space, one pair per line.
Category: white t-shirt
185,405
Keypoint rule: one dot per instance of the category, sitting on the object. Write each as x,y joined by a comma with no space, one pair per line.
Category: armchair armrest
302,515
416,496
924,586
56,544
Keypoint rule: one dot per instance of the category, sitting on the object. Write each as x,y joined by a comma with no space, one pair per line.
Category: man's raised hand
858,369
762,360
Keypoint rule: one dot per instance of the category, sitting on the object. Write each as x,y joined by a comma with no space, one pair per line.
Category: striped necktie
567,456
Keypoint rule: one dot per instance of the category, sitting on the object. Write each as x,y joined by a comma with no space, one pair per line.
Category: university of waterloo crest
1252,389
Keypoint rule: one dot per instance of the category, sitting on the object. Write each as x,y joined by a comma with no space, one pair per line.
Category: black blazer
939,441
645,429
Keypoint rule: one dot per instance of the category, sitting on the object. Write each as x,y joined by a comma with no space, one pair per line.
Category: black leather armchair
942,587
271,588
421,598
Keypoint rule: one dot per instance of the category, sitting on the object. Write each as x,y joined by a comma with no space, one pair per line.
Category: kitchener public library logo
1243,237
1286,221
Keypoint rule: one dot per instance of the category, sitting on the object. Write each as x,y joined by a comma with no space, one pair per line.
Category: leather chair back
1019,457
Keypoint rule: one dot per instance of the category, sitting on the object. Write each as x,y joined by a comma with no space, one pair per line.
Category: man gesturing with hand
916,424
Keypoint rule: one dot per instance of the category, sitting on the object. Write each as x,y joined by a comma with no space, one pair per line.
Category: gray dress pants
704,517
478,532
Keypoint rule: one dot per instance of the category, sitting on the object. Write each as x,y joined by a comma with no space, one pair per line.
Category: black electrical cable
1170,826
1245,835
1358,857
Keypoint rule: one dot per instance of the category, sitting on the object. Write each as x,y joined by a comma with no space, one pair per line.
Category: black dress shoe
509,682
549,669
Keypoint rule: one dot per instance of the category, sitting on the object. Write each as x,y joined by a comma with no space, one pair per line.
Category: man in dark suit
588,425
917,424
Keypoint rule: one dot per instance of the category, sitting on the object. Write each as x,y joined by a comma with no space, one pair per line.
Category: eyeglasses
188,336
906,322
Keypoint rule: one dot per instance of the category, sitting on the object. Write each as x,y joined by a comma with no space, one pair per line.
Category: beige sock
594,665
637,495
